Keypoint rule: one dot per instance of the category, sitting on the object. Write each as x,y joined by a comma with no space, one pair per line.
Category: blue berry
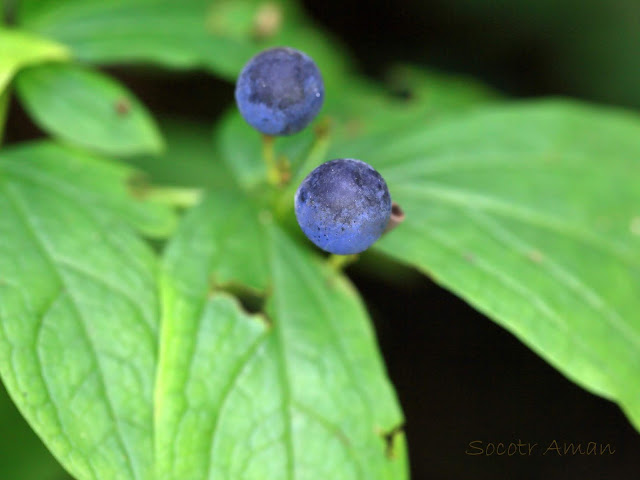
343,206
279,91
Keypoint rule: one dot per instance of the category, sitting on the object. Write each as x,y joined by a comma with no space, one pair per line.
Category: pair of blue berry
343,206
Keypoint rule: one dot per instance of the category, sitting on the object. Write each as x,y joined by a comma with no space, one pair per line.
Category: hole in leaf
390,440
251,301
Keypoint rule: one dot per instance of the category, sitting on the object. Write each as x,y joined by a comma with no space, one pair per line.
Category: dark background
460,377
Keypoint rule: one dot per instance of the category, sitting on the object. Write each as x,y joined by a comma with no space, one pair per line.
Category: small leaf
89,109
528,213
297,391
19,49
79,311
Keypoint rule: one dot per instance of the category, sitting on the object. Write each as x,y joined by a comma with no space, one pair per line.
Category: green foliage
229,382
20,49
188,159
140,360
79,312
528,213
220,36
88,109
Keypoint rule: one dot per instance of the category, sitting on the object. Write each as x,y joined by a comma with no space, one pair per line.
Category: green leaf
531,213
100,185
298,391
217,35
79,310
23,456
19,49
189,159
89,109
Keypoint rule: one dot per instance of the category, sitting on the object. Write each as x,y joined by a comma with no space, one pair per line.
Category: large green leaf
216,35
78,309
22,454
19,49
87,108
530,213
297,392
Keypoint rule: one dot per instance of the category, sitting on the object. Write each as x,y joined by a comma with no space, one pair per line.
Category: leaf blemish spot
138,185
535,256
122,106
268,21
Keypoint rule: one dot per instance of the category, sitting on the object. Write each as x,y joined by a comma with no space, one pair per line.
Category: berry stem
315,156
340,262
269,156
317,152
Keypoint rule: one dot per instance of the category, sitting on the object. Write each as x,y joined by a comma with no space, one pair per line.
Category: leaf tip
156,144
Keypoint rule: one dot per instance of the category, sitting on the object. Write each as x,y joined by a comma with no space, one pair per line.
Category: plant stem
315,156
269,156
340,262
317,152
174,196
